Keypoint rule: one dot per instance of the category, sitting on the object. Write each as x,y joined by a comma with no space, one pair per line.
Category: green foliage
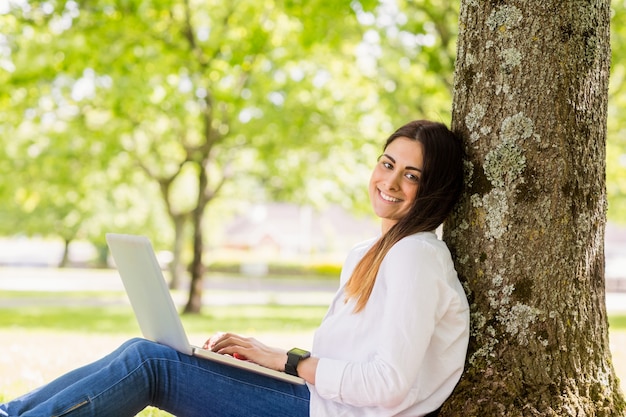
302,95
327,269
616,136
417,42
103,98
299,95
282,269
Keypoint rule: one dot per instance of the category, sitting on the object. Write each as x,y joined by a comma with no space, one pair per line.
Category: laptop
154,308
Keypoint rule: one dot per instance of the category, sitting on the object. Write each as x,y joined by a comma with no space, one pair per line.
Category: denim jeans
142,373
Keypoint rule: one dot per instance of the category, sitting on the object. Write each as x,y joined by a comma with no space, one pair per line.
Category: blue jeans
142,373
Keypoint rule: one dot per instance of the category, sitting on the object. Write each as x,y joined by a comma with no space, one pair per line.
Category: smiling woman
393,340
414,186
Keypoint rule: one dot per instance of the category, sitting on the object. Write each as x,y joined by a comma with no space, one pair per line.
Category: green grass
105,312
49,295
147,412
117,319
617,322
45,311
90,312
101,312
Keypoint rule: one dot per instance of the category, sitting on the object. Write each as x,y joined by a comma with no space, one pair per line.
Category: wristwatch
294,356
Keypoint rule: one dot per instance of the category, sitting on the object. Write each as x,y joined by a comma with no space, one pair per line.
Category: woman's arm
248,348
307,369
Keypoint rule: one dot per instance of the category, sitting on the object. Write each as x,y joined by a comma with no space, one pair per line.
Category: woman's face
395,179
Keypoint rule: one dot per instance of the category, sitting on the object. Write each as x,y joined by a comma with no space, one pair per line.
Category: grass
617,322
116,319
107,313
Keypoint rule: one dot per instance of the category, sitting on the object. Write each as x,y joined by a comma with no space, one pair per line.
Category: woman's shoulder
420,246
422,239
364,245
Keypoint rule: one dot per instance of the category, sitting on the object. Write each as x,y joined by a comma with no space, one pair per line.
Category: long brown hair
440,186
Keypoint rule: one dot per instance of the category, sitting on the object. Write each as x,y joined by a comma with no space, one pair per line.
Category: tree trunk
65,257
194,304
530,100
176,266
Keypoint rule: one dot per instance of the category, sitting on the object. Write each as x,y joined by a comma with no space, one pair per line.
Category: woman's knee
146,349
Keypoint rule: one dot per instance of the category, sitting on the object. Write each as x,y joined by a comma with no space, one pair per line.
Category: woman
392,343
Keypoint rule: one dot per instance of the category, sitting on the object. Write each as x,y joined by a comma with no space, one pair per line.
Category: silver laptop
153,305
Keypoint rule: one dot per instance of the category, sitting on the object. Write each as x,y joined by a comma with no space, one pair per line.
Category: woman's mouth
388,197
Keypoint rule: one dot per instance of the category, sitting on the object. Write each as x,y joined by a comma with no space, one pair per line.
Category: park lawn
617,322
116,319
101,321
109,312
104,313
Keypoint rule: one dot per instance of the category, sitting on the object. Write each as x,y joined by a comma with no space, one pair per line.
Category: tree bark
176,267
196,269
530,100
65,258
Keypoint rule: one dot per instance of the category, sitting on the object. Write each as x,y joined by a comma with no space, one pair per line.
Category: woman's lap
142,373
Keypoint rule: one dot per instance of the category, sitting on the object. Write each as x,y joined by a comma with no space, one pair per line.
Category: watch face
298,351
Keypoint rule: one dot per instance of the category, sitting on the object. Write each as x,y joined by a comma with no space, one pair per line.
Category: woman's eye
412,177
387,165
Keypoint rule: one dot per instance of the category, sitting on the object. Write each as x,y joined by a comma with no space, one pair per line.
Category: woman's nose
393,182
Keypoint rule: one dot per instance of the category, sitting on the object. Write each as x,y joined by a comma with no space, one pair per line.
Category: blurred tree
226,100
192,92
55,153
175,72
295,96
616,138
408,53
530,98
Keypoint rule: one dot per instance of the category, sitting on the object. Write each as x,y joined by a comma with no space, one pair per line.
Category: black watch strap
294,356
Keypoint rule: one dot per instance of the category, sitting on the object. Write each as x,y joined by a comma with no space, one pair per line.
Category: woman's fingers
246,348
222,341
212,340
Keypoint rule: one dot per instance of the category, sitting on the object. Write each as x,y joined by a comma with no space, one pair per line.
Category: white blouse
403,354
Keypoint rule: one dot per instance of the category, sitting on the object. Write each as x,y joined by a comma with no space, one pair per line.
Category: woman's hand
247,348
